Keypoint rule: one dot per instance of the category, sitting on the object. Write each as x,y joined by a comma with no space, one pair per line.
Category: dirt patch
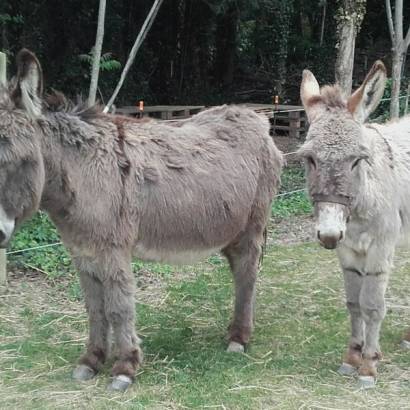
294,230
150,288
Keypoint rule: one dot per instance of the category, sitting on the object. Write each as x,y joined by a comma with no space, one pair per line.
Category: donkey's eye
355,163
311,162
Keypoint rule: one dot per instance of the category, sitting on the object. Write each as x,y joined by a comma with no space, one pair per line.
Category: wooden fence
286,120
163,112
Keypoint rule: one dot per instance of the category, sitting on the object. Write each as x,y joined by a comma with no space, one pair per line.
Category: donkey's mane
55,101
331,96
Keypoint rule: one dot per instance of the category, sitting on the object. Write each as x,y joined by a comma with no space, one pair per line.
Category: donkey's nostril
2,237
329,241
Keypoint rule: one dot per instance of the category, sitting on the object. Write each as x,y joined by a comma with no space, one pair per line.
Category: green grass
292,178
300,335
296,203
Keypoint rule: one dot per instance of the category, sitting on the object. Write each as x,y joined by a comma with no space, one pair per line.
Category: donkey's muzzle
329,241
331,219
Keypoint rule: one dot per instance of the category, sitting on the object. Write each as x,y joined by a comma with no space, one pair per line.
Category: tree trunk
349,19
322,28
3,257
397,65
97,54
345,56
140,39
226,39
400,45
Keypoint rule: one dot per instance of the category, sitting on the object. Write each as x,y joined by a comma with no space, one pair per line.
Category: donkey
115,187
358,178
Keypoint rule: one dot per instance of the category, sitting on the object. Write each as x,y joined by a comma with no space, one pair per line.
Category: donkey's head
21,164
336,151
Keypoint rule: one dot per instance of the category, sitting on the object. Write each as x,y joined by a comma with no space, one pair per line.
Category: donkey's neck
376,190
56,198
83,168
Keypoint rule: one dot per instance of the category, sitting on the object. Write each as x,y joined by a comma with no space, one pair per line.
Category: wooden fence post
3,257
294,124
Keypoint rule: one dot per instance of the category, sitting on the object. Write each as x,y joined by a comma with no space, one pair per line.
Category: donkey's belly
175,257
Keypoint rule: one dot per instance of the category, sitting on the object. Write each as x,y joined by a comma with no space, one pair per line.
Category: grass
294,204
300,335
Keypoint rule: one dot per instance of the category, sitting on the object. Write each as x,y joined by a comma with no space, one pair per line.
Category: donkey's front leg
373,311
119,289
353,358
98,343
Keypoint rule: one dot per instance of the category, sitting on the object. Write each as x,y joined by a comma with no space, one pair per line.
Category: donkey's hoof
235,347
405,344
346,369
120,383
366,382
83,373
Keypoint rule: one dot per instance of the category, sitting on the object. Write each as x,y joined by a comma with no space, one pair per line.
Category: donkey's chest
358,236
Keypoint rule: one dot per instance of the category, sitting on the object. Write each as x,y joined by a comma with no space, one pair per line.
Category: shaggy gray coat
116,187
359,179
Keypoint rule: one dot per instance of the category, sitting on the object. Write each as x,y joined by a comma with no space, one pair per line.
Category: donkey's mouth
330,241
329,247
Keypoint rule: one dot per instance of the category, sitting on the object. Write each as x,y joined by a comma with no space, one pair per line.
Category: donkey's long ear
366,98
29,83
310,94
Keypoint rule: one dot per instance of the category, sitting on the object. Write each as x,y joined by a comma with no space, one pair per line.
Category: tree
140,39
400,45
349,18
97,54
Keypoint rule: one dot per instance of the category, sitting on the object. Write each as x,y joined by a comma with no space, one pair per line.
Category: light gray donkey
116,187
358,178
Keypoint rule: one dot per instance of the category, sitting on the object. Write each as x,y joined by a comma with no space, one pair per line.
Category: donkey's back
201,182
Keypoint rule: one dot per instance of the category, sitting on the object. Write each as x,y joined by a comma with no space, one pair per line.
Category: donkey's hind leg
353,357
98,344
243,257
119,290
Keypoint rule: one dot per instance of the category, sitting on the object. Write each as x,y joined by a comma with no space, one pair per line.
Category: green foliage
293,177
295,204
8,19
107,62
382,113
351,10
53,261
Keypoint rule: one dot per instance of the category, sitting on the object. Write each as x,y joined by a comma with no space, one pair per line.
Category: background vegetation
198,51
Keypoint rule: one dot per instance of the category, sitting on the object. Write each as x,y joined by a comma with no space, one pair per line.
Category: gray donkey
116,187
358,178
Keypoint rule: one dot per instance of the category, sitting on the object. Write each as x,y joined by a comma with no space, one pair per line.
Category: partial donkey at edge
358,177
116,187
